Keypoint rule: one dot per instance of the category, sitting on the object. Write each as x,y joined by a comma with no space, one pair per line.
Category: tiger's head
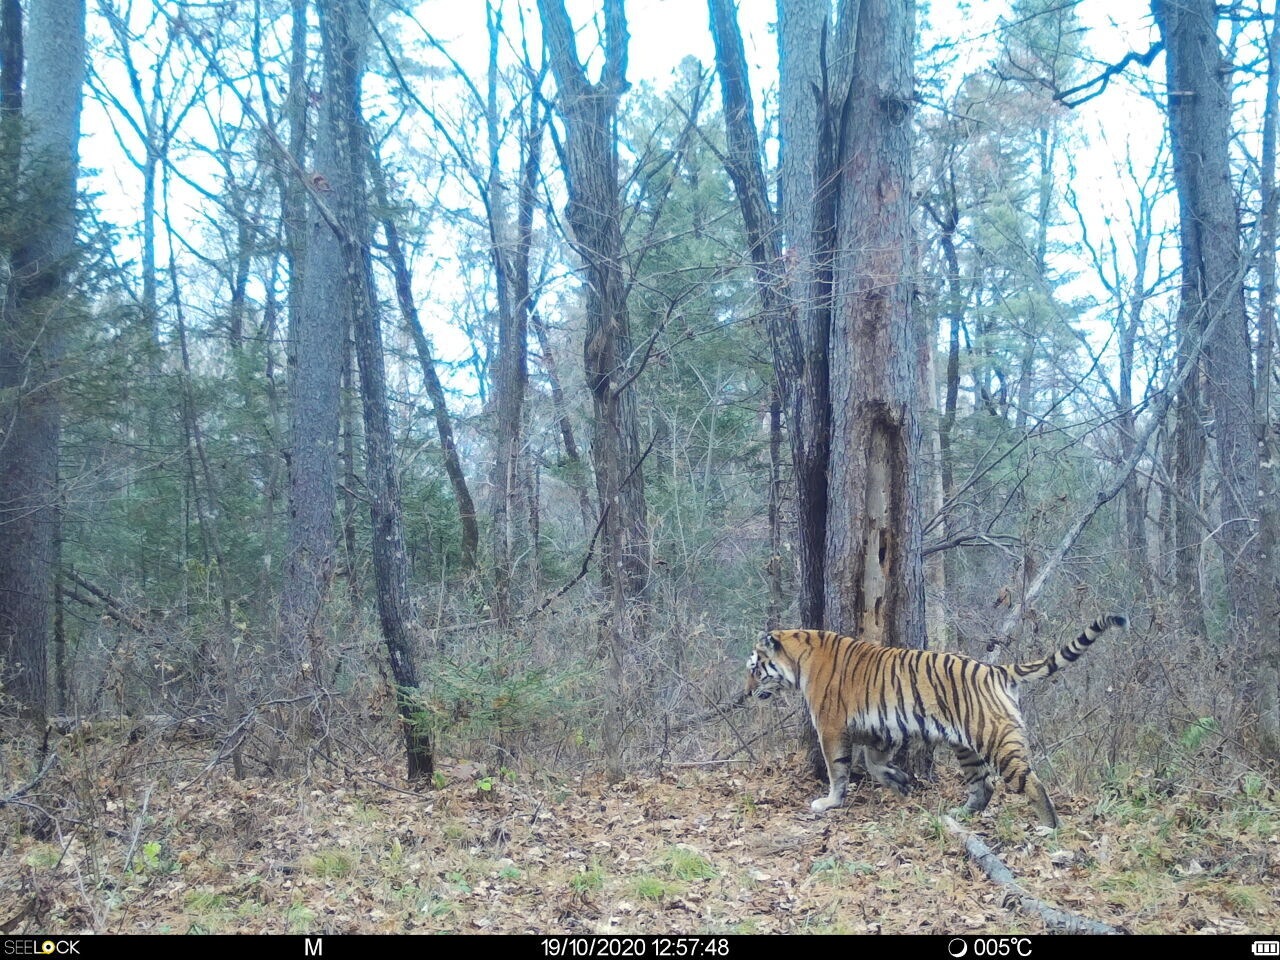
770,668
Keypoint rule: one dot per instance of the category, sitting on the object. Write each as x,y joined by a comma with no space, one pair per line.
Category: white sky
663,32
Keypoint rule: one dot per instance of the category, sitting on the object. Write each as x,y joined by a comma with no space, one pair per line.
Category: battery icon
1266,948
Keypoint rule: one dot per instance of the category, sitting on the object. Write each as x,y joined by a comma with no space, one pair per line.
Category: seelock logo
33,947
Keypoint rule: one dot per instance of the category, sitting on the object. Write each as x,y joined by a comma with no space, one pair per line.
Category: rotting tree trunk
874,565
35,309
1213,270
825,196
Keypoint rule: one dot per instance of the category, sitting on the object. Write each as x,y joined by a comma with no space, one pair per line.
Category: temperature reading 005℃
989,947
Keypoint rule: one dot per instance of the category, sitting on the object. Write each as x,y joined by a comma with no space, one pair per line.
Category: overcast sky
1119,124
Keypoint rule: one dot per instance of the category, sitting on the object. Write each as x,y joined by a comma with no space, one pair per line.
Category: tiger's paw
823,804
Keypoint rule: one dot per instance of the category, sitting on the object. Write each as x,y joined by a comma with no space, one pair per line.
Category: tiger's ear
770,643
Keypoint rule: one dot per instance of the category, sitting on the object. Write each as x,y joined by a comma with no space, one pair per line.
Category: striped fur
877,698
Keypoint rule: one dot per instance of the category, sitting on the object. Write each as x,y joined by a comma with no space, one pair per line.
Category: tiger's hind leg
836,748
1010,760
880,765
977,774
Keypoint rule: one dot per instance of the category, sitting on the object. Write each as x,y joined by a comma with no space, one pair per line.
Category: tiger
877,697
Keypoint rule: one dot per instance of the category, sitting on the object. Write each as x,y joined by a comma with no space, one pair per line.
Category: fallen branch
110,605
50,759
1017,898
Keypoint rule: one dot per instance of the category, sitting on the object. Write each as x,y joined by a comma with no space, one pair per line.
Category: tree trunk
1213,287
1269,479
36,311
794,289
807,198
343,24
594,217
431,380
509,250
874,567
595,222
773,570
821,112
317,331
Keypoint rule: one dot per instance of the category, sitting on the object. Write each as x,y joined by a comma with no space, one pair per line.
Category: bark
773,572
594,218
1269,479
1213,287
343,24
792,300
317,331
36,311
509,251
874,562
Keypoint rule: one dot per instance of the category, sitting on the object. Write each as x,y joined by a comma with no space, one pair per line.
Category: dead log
1015,896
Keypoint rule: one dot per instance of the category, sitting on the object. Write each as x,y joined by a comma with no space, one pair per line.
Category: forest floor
721,849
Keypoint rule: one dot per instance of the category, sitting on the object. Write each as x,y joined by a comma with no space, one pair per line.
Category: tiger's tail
1070,652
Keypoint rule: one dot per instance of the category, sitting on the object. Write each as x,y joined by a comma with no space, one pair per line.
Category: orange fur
877,698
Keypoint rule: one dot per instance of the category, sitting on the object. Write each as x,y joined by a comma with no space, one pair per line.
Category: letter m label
313,947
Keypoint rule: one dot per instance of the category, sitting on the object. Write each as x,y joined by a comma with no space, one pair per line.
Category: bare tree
509,248
594,217
1213,268
798,331
427,364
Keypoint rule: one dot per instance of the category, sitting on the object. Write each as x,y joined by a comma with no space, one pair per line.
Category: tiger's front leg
836,752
